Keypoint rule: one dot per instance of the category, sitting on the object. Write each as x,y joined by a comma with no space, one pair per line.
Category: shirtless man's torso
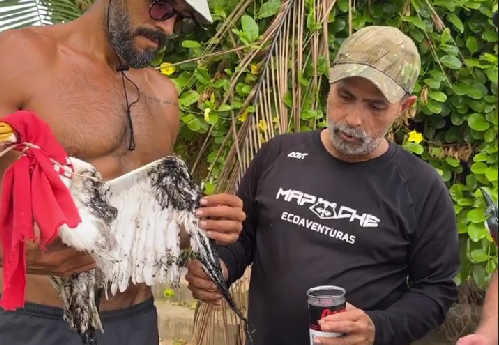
66,74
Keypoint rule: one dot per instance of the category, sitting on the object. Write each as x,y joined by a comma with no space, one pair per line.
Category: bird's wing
93,235
152,202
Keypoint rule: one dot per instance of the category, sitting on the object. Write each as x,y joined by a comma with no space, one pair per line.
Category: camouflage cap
383,55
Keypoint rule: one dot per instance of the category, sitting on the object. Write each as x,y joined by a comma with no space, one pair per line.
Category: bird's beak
491,223
7,135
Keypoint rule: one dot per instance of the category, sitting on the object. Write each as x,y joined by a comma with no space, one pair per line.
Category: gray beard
121,38
366,145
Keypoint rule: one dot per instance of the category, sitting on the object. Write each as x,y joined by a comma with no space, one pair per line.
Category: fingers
225,212
345,327
349,315
222,199
347,340
221,238
200,285
472,339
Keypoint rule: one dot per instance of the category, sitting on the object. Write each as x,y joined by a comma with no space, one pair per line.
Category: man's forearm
409,319
489,319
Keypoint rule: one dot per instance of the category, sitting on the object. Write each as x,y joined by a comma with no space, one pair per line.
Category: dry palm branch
130,225
282,62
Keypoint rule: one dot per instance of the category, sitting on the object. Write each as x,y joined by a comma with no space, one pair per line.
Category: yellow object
415,137
167,68
207,112
6,132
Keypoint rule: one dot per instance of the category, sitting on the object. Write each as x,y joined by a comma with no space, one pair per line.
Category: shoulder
25,55
286,142
161,85
26,49
279,145
422,180
412,166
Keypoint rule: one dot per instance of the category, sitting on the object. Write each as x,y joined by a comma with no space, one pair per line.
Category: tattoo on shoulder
162,101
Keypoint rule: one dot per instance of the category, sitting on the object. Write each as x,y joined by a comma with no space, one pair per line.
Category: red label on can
317,313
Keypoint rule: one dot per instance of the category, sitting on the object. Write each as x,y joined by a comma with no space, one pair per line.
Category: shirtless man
67,74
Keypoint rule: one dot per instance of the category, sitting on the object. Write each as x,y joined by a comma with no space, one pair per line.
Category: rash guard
384,229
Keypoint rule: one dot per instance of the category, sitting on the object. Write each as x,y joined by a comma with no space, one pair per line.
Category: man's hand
201,286
474,339
354,323
222,217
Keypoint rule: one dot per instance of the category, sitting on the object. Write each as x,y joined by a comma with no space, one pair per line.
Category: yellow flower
207,114
167,68
415,137
255,68
263,125
243,116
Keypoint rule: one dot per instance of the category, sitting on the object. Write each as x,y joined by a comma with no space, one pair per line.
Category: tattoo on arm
162,101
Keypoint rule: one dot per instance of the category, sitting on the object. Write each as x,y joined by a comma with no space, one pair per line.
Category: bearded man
344,206
88,80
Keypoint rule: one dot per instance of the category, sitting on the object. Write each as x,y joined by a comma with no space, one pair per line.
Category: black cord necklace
121,68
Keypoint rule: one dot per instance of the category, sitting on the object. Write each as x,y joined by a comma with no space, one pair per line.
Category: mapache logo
325,209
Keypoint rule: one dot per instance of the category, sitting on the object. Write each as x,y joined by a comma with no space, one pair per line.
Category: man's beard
365,146
121,37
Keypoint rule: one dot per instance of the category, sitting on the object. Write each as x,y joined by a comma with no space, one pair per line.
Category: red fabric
31,191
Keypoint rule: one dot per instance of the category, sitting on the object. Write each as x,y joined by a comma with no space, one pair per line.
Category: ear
407,103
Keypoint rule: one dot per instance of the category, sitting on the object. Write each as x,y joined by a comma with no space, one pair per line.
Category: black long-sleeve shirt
384,229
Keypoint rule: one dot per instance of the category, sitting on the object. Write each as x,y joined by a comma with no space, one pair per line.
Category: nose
354,115
167,26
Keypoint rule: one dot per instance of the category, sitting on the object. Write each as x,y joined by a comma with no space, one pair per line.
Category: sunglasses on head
161,10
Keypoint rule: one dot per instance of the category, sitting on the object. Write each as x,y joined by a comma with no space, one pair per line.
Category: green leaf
490,36
474,231
438,96
453,162
414,148
478,122
491,174
492,74
451,62
472,44
209,188
479,255
268,9
454,19
191,44
476,215
434,84
250,27
224,107
416,21
478,168
212,118
189,98
481,157
464,202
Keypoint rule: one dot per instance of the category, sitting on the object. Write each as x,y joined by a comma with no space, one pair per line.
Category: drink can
323,301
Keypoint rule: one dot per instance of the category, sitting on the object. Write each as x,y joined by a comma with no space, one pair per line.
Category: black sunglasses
161,10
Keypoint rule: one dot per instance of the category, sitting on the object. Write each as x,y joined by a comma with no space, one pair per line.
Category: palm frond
16,14
284,51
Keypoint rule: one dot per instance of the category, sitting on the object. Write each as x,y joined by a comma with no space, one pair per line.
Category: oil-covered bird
130,225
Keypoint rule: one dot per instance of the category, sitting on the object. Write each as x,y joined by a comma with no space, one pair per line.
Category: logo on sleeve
297,155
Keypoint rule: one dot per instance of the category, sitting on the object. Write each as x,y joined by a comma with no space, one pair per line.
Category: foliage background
261,69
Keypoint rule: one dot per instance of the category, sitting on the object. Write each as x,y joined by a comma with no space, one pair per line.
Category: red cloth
31,191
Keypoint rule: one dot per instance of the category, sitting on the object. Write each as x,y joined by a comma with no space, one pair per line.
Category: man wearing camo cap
343,206
90,80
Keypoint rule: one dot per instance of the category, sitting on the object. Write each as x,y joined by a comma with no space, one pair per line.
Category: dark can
323,301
